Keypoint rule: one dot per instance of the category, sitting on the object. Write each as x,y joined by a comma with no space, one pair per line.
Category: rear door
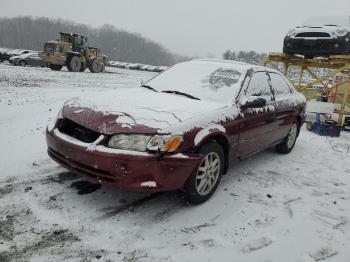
285,105
257,124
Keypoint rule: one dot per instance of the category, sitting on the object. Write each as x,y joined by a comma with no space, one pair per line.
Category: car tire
288,142
309,126
55,67
204,180
22,63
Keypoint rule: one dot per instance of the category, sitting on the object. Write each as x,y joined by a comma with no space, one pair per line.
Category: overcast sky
191,27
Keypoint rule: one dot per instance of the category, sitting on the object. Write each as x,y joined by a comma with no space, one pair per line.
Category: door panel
257,124
285,108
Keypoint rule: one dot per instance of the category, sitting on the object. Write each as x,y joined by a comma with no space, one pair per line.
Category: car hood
323,29
134,110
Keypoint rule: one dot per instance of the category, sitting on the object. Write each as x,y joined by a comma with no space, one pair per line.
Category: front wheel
201,185
288,142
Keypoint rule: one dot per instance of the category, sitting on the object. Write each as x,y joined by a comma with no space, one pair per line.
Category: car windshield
217,81
328,20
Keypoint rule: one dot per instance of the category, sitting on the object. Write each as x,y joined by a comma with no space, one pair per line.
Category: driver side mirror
252,102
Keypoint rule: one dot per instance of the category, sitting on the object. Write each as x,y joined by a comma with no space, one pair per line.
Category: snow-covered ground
270,207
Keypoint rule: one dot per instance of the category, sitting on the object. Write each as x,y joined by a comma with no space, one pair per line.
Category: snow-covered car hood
331,30
134,110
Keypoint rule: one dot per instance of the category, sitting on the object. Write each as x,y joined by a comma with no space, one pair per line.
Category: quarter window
259,86
279,85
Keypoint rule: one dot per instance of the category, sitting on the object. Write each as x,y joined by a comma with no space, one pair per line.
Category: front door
257,124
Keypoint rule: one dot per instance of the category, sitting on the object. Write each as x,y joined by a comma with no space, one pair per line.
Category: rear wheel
288,142
201,185
55,67
95,66
74,64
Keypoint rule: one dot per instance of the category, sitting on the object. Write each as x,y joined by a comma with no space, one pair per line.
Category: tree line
251,57
120,45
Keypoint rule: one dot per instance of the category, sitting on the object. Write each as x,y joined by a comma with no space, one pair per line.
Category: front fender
207,132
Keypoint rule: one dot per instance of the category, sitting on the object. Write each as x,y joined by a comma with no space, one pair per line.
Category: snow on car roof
224,62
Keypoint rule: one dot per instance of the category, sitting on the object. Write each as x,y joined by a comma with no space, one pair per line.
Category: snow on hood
324,28
326,24
134,110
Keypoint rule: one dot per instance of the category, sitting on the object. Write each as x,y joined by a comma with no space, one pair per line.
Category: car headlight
341,32
164,143
291,32
134,142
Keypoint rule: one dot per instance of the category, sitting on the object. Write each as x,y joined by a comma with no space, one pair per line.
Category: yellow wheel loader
71,50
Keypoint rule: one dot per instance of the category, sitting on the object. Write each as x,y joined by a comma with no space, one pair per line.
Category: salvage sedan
319,36
179,130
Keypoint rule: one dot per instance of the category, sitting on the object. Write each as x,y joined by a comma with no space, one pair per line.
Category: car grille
77,131
313,34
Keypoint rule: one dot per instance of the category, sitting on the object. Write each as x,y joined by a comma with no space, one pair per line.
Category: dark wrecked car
7,55
180,130
319,36
31,59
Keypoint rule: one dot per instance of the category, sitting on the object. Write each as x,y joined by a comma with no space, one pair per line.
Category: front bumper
316,47
144,172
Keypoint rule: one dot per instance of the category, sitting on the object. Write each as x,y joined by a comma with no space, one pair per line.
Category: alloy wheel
208,173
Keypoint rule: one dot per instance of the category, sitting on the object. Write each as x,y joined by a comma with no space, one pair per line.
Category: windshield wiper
180,93
150,88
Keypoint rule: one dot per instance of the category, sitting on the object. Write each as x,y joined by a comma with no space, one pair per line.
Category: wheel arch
214,134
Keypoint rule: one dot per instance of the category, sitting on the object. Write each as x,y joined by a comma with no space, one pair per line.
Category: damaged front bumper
140,171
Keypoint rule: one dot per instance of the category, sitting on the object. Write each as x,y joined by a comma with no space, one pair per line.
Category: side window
279,85
60,49
259,86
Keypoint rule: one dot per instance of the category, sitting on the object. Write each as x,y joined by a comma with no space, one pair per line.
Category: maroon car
180,130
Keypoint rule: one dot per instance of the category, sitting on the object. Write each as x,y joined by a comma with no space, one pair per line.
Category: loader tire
74,64
95,66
